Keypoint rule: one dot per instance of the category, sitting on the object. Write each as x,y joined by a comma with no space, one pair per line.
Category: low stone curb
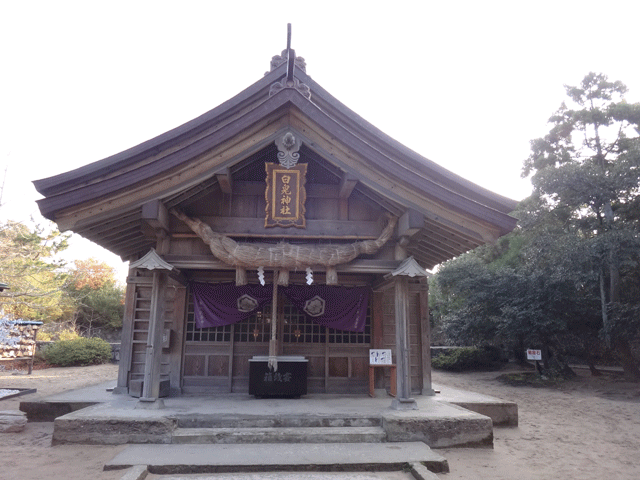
137,472
420,472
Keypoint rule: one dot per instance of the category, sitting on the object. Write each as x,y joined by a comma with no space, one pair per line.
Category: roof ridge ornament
288,56
288,146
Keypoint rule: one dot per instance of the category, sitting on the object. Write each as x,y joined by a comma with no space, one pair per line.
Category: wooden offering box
289,380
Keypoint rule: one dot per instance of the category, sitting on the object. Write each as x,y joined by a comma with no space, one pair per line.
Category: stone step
230,435
297,457
277,421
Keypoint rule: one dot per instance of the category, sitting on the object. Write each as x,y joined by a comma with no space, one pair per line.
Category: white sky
466,84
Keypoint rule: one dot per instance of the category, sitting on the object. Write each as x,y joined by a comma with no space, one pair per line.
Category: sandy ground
28,455
587,429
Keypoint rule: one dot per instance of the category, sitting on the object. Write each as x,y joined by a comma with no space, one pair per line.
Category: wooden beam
254,227
435,223
314,190
448,238
124,220
429,258
126,340
129,239
179,277
176,346
153,353
192,194
209,262
385,203
225,181
403,400
410,223
347,184
156,215
425,338
441,249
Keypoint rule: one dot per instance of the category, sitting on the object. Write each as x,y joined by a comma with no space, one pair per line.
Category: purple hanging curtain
337,307
217,304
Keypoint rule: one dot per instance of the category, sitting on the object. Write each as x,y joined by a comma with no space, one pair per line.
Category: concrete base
47,409
263,435
176,459
380,392
502,413
232,419
44,411
404,404
150,403
114,419
449,426
106,429
136,387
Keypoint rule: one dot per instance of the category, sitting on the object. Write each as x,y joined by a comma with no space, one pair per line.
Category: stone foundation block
472,430
112,431
12,421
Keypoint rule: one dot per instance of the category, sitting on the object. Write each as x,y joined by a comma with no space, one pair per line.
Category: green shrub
78,352
466,358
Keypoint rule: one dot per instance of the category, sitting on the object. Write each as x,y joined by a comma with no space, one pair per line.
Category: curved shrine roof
103,200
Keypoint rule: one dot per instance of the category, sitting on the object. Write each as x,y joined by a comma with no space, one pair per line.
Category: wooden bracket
347,184
156,215
225,181
410,223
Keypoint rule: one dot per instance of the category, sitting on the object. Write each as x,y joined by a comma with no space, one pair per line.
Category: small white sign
380,357
534,354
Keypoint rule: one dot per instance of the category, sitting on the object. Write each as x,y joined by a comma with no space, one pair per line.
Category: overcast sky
465,84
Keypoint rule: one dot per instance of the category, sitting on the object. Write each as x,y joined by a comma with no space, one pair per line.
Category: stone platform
440,421
240,433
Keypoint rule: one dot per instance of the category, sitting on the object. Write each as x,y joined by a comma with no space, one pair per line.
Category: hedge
467,358
78,352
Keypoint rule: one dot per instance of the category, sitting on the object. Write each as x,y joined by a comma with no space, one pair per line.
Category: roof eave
59,183
51,205
367,130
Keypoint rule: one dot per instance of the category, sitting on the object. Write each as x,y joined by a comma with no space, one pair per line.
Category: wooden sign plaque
285,195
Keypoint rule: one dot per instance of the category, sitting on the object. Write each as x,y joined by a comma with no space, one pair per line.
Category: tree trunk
518,352
546,356
629,364
592,368
603,305
621,346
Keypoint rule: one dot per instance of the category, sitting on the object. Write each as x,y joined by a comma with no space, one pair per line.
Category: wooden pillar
403,400
425,331
151,385
176,343
126,342
377,333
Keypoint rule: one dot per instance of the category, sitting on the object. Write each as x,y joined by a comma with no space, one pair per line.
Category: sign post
379,357
535,355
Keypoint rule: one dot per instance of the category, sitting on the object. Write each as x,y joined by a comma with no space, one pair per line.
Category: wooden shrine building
278,224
